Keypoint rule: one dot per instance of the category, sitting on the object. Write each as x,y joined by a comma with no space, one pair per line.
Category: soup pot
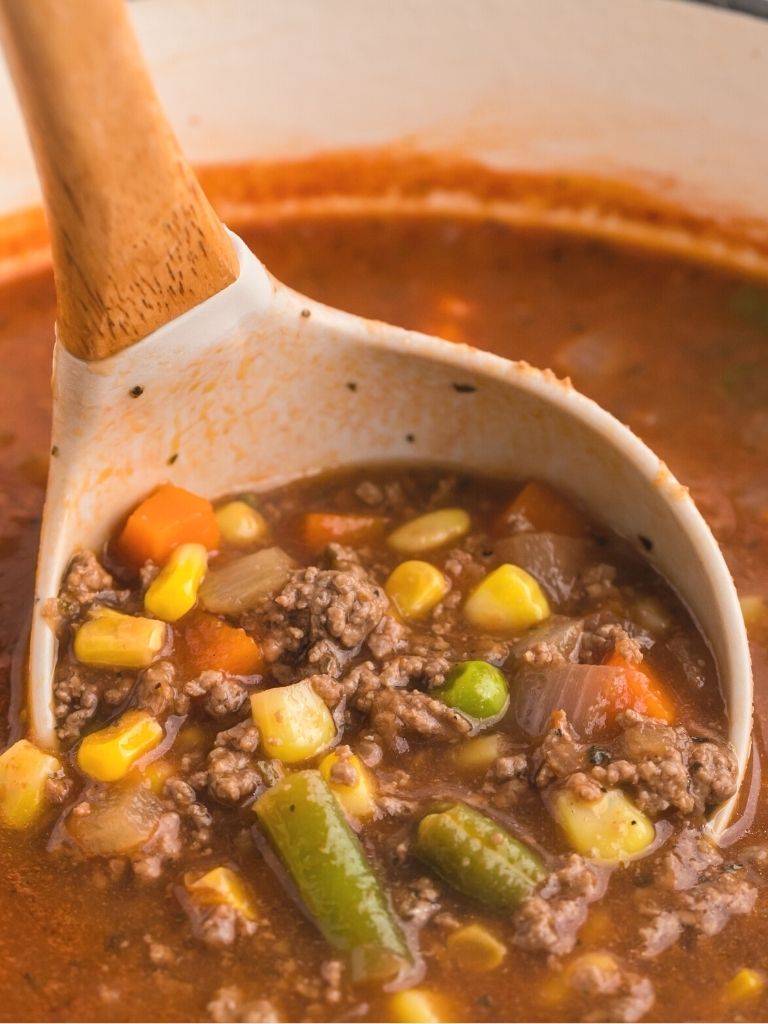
639,120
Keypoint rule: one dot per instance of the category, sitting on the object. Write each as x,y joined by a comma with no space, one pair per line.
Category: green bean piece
307,828
476,689
478,857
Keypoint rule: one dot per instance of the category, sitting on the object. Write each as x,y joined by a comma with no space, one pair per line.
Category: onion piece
556,562
562,635
121,818
581,691
242,583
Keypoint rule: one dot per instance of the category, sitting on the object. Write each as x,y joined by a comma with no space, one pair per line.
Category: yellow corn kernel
24,771
507,600
415,588
293,721
745,984
414,1006
476,948
173,592
479,753
157,774
430,531
108,754
111,639
609,829
222,886
357,799
241,525
754,608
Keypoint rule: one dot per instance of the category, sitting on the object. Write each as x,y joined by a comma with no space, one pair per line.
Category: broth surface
678,351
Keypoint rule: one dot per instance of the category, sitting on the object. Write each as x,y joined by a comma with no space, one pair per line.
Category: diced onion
120,819
242,583
579,690
553,560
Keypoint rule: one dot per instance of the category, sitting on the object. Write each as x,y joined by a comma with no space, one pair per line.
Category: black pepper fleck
351,385
646,542
465,389
410,438
306,312
55,450
137,391
172,458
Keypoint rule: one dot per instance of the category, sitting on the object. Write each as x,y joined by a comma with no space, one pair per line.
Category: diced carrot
205,641
321,528
170,516
546,510
640,690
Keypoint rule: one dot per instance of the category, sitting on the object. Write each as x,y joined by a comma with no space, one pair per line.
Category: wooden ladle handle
135,241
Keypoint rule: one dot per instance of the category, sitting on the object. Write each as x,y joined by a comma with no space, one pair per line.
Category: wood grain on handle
135,241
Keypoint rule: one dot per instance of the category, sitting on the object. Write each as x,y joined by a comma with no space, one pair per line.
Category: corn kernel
294,721
430,531
173,592
222,886
356,798
745,984
478,753
507,600
110,639
609,829
24,771
241,525
476,948
414,1006
415,588
157,774
108,754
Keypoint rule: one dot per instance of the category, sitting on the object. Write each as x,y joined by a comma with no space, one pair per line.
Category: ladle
179,357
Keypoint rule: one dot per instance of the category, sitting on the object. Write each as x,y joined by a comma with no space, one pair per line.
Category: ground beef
196,818
418,901
158,693
343,772
695,891
77,692
232,772
388,637
673,769
506,780
549,920
322,616
396,713
622,995
232,775
662,765
686,861
561,753
164,847
85,580
704,909
224,694
228,1005
220,925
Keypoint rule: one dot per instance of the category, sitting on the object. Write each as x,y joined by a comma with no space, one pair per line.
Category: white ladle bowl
259,385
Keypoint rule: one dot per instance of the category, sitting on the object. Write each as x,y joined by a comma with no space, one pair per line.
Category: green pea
476,689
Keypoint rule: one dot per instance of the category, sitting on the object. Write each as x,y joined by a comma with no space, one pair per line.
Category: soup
674,349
